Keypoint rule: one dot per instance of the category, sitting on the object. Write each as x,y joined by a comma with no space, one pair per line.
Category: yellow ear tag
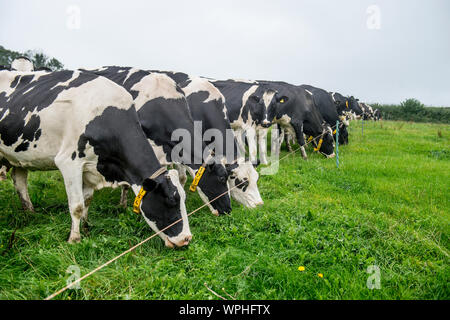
197,178
138,200
334,132
319,145
310,138
282,101
346,103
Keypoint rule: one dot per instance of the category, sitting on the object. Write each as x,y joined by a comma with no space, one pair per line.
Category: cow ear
254,98
149,185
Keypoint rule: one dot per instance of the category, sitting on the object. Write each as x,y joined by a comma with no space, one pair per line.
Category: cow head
259,103
243,183
213,186
354,106
163,205
324,143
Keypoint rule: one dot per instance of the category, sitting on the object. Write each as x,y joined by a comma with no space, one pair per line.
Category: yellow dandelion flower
320,275
301,268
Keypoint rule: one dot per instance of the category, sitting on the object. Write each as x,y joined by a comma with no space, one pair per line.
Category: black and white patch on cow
296,113
208,106
86,127
163,113
325,104
248,104
347,106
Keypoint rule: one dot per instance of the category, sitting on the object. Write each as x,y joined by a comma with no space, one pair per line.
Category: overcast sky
379,51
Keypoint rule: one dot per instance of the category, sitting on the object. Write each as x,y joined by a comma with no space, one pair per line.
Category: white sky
323,43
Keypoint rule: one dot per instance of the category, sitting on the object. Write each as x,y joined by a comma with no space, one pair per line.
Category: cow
377,115
297,115
22,64
368,113
162,108
325,104
87,127
207,105
247,104
347,106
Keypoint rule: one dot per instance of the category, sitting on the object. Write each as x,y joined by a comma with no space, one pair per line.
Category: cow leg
300,138
73,181
275,147
252,147
262,143
20,177
124,196
3,171
240,141
182,174
288,141
87,195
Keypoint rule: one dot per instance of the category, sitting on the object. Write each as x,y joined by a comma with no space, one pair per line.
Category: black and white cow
324,102
247,104
207,106
86,126
347,106
368,111
162,109
377,115
296,114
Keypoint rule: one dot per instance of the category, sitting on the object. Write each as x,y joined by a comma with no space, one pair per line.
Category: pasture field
386,206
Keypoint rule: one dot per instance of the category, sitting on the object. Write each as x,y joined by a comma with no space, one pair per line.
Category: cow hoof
74,239
29,209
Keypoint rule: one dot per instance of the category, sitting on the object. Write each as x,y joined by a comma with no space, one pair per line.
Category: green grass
387,205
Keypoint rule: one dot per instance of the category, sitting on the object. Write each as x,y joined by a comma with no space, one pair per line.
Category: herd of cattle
114,126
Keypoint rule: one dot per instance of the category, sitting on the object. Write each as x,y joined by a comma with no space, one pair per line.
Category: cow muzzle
179,241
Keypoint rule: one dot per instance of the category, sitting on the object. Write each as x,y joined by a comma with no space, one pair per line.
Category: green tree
38,58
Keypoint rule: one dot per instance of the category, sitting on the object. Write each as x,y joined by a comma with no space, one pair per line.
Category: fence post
337,144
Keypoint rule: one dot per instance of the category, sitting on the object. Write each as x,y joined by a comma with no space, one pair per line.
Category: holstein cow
296,114
86,126
207,105
19,64
162,108
247,104
368,111
347,106
377,114
324,102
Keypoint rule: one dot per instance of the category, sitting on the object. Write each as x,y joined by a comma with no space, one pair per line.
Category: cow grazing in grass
368,111
247,104
324,102
86,126
347,106
162,108
377,114
297,115
207,105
